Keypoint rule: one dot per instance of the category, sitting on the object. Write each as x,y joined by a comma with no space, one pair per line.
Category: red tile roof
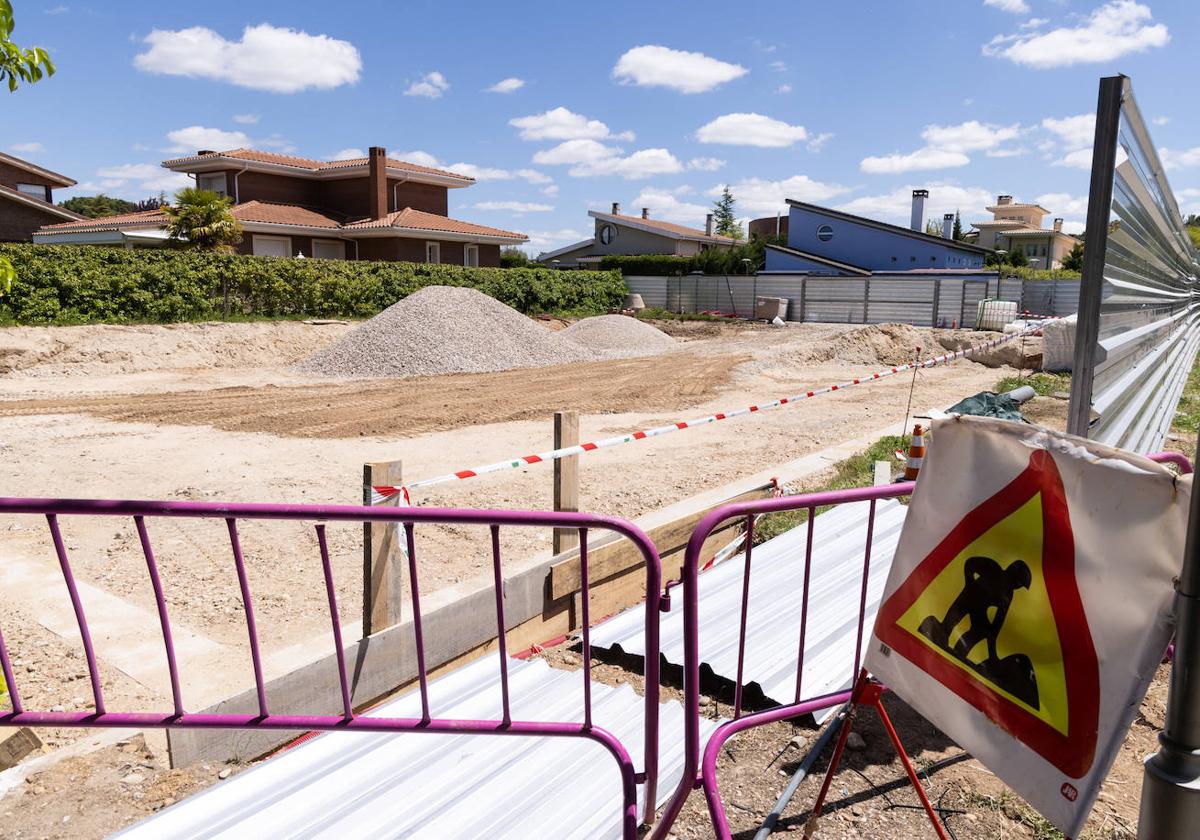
411,219
282,214
310,164
140,219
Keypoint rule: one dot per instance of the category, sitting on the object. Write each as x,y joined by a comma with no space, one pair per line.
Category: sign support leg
868,693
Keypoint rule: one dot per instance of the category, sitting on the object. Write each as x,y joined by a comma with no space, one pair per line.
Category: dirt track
406,407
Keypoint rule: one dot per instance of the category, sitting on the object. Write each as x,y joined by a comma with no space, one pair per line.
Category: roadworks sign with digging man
1030,602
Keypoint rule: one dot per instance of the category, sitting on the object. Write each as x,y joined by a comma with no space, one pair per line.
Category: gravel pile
443,329
617,336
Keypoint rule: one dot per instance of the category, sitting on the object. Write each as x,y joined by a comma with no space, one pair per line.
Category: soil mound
443,329
889,344
618,336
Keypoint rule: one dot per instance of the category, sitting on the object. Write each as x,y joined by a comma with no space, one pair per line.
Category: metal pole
1170,806
1087,327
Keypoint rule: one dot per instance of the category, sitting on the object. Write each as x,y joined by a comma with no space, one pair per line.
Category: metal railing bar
14,695
327,570
808,547
248,608
501,640
414,586
80,618
737,688
862,600
585,620
163,619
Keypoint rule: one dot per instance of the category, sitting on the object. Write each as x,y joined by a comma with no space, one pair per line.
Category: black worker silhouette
986,596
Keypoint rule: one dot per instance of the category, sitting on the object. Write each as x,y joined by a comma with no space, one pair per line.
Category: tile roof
311,164
411,219
140,219
668,227
282,214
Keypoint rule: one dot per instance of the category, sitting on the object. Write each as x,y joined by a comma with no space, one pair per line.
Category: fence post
937,296
803,290
566,477
382,566
962,306
866,298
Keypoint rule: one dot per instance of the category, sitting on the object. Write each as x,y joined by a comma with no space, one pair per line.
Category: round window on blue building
825,233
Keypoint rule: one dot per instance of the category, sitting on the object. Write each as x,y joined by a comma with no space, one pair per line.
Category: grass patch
656,313
856,471
1187,415
1042,382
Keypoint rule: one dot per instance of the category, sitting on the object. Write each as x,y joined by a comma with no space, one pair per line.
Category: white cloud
705,164
562,124
815,144
1161,120
1015,151
348,154
575,151
551,190
896,206
27,147
779,66
970,136
743,129
665,205
541,241
760,197
1189,200
137,180
267,58
640,164
431,86
1172,159
1034,23
514,206
686,72
473,170
129,172
246,119
1071,208
195,137
58,10
1078,159
918,161
420,158
1016,7
1074,132
509,85
784,88
1115,29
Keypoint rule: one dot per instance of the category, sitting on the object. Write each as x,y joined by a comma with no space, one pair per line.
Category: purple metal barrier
707,762
178,718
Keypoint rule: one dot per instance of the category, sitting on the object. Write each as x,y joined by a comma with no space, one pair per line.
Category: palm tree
203,219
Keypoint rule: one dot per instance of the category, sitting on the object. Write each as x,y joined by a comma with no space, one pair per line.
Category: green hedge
72,284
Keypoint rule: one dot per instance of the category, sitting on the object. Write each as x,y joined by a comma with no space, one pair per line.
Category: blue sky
561,107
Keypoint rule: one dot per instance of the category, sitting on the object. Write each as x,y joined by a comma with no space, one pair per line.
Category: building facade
616,233
372,208
27,199
1016,226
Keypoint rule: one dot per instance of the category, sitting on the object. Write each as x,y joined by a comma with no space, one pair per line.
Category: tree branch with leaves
17,64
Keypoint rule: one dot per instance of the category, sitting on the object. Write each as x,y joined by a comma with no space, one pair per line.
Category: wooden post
382,554
566,477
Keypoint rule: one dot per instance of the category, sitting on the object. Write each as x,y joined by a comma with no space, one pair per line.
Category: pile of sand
443,329
888,344
618,336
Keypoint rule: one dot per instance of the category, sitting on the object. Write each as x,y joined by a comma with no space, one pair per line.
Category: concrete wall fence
943,299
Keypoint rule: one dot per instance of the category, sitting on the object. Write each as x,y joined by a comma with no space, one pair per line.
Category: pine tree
725,221
958,231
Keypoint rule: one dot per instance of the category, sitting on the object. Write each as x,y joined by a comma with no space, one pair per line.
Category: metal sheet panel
773,620
439,786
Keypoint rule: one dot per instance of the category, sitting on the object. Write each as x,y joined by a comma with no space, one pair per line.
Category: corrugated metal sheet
1059,298
441,786
776,590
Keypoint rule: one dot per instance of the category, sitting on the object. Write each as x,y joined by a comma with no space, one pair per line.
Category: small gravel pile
617,336
443,329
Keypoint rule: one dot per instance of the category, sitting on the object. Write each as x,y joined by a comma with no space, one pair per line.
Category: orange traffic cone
916,454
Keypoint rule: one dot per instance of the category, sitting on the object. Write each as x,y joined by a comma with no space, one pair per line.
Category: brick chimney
1058,225
1003,199
645,212
377,197
708,225
616,211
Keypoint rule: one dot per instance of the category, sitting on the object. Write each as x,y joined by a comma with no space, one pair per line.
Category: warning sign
984,626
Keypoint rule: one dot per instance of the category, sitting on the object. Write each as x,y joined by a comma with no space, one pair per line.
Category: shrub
71,284
712,261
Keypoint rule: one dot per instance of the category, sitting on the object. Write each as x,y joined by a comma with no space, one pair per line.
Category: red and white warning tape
381,493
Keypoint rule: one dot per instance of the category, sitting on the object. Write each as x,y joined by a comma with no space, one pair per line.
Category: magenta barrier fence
348,720
703,757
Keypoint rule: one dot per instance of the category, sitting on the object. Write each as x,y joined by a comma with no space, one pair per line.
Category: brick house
372,208
26,199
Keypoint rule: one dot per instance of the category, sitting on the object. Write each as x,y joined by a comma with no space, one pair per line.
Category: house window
607,234
471,256
329,249
214,182
272,246
35,190
433,252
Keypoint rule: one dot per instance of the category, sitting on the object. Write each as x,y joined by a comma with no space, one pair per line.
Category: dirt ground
214,412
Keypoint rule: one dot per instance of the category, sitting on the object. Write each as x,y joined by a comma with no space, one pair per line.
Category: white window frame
258,237
221,188
32,190
468,250
338,244
434,250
